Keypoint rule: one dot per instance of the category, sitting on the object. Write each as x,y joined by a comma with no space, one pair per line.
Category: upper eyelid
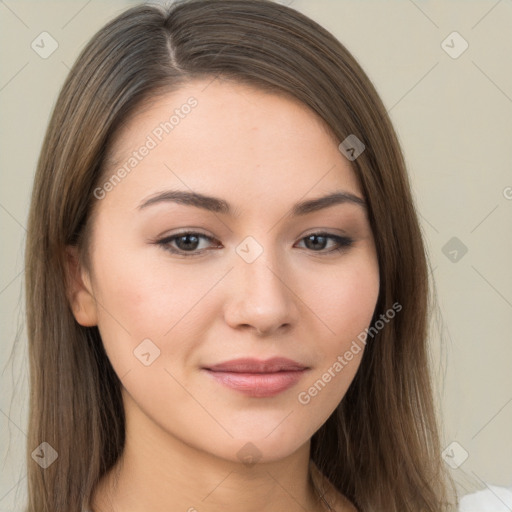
185,232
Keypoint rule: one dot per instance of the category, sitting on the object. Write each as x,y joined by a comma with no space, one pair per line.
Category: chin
264,441
250,451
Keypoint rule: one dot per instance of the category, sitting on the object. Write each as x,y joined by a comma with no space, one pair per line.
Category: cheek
346,301
139,299
143,296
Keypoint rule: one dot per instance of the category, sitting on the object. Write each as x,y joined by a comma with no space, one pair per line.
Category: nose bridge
264,275
262,297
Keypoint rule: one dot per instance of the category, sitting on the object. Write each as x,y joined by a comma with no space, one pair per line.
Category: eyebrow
218,205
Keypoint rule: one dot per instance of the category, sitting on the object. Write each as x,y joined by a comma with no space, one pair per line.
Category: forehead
222,137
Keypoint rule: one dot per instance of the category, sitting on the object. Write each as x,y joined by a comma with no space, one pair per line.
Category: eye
317,242
184,242
187,243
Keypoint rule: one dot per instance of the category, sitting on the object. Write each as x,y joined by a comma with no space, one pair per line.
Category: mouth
258,379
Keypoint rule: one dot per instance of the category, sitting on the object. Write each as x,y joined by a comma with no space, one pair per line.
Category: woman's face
260,275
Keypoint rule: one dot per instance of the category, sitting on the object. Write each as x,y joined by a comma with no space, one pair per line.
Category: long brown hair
381,445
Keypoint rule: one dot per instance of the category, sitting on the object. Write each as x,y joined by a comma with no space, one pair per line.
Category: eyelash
342,241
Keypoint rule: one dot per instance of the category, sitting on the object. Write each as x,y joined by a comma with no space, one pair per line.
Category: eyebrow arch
217,205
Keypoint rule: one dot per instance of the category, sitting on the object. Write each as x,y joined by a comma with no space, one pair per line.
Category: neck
159,472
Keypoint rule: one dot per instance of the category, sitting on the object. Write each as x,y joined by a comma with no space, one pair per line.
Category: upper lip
249,365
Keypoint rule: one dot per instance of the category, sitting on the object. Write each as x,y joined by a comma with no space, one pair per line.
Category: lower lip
258,385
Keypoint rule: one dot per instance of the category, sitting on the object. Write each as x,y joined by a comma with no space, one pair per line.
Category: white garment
493,499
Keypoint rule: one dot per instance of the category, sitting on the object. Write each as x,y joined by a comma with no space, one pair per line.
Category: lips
257,378
276,364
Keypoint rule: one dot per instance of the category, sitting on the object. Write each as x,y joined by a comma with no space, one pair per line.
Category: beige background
454,119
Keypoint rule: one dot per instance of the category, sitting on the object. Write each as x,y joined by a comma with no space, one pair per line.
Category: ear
79,290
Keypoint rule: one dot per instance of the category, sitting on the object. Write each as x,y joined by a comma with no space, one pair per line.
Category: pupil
190,239
315,245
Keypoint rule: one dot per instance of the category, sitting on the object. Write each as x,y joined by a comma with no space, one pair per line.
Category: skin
261,152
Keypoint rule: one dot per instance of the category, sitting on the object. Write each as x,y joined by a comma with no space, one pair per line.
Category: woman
226,281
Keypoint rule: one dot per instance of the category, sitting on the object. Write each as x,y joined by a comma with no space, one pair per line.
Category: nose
261,297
